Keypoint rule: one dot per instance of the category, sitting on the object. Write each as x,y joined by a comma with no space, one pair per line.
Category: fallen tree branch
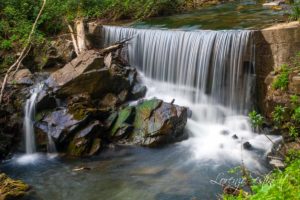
25,49
74,41
115,47
18,66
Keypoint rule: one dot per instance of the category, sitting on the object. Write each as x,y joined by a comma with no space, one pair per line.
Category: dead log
113,48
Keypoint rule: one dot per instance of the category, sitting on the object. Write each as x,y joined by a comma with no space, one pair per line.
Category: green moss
12,189
124,117
78,147
143,112
96,146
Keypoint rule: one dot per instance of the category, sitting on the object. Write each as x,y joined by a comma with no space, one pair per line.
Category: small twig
18,66
21,57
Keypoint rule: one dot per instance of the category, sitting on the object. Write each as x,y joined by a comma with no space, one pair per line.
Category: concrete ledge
275,45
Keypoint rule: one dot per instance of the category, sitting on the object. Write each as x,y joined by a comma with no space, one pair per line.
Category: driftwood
23,53
81,35
78,38
73,39
117,46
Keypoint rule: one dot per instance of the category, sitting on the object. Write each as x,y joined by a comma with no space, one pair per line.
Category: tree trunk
81,35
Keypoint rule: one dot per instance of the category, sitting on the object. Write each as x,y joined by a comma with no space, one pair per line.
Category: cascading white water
29,112
211,72
218,63
51,144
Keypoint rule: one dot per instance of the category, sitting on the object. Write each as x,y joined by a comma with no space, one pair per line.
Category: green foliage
282,185
282,81
292,155
294,100
293,132
241,196
278,114
17,17
296,115
295,12
256,119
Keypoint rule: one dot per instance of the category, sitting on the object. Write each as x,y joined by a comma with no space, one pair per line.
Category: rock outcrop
94,91
13,189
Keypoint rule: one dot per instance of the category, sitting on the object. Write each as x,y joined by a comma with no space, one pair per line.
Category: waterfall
209,66
51,147
29,111
212,73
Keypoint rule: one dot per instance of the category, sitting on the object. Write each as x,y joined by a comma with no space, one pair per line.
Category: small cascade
51,147
29,111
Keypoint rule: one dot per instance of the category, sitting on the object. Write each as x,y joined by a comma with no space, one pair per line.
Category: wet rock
110,100
22,77
157,123
276,162
225,132
294,85
122,126
247,146
10,132
111,120
122,96
57,54
59,124
85,141
138,91
45,101
12,189
235,137
87,74
96,147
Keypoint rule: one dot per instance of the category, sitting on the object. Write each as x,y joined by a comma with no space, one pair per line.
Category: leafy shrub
296,115
283,184
282,81
278,114
294,100
292,155
295,12
293,132
279,185
256,119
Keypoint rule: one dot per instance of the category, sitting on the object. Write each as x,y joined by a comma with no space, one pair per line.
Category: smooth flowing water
29,112
211,72
246,14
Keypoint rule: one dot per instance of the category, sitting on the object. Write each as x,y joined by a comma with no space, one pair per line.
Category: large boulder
86,141
155,123
88,74
59,125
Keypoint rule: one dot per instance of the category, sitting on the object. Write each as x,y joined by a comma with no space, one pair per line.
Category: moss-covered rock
157,123
150,123
122,125
86,141
12,189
